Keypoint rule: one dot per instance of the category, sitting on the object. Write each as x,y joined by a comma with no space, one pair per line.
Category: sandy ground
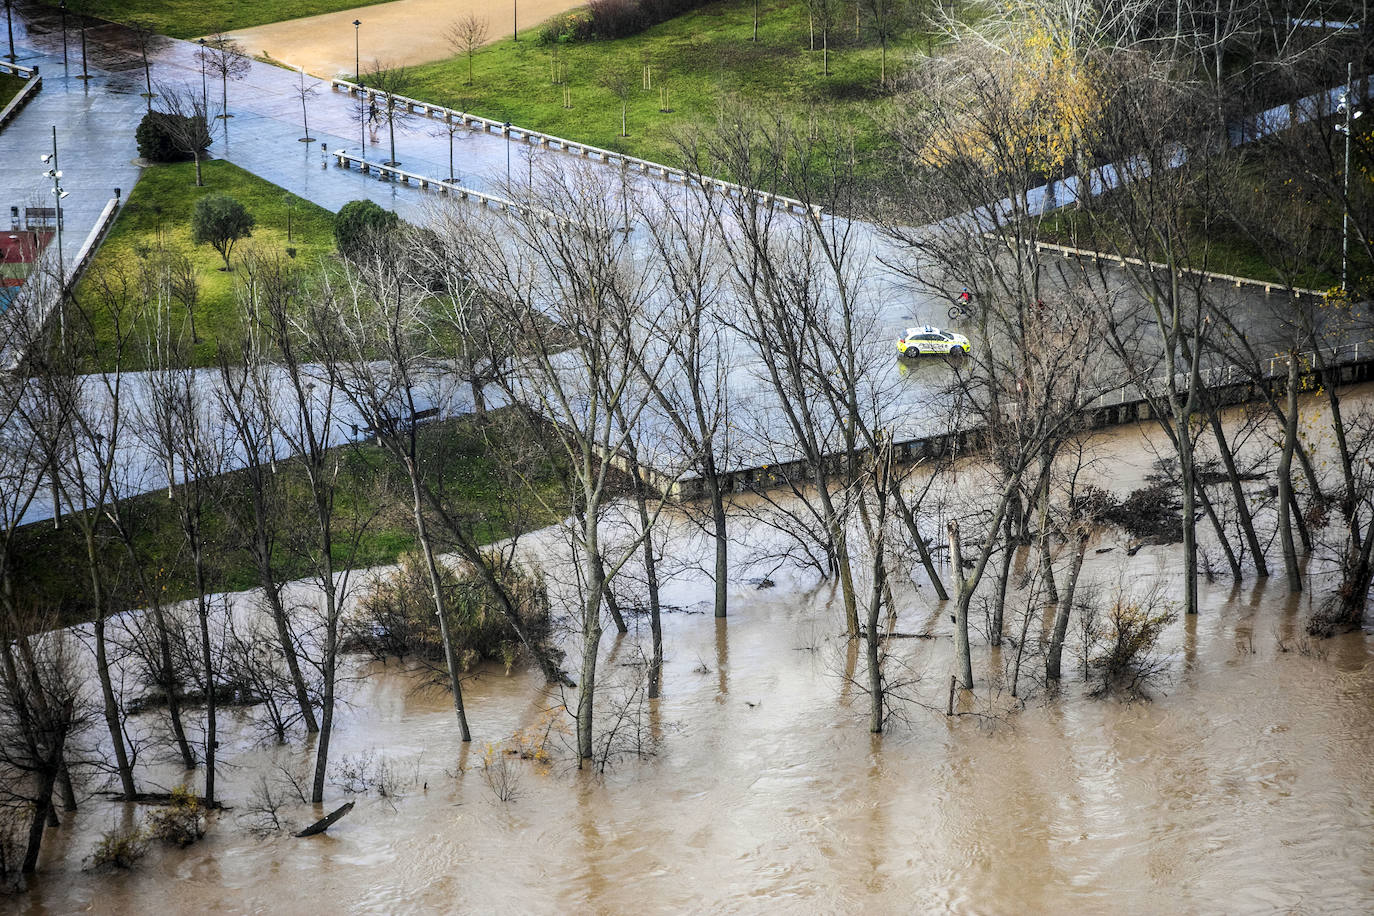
400,33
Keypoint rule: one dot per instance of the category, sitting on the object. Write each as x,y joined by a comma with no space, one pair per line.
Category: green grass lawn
192,18
705,59
159,212
9,87
51,569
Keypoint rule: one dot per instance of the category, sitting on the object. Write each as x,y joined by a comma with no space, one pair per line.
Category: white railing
1267,285
9,66
585,150
1337,357
347,160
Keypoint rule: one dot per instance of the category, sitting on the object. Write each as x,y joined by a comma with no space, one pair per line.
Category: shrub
163,137
605,19
1123,657
566,28
360,221
396,616
181,823
120,848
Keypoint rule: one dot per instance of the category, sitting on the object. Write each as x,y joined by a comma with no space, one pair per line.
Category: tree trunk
722,546
1290,438
437,593
872,642
922,548
42,808
1247,521
1055,656
591,646
963,657
111,712
1003,574
272,591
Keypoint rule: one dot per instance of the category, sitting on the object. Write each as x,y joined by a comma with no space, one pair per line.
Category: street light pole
9,25
506,132
204,85
85,75
56,175
515,19
62,7
357,56
362,126
1348,104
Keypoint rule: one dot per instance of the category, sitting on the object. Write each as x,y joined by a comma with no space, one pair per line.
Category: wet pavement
95,120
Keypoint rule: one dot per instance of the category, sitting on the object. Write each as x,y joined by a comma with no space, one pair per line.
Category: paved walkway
96,121
402,33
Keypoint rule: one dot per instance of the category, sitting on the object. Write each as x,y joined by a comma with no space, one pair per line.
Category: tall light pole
1347,105
204,85
515,19
85,74
9,25
357,57
50,159
362,125
62,7
506,131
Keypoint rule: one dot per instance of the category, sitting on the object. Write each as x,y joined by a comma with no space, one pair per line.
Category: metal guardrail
1120,260
585,150
346,160
1336,357
35,82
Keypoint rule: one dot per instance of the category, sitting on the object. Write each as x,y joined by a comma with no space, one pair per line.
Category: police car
927,340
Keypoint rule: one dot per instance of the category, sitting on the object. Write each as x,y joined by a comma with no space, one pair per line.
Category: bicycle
962,307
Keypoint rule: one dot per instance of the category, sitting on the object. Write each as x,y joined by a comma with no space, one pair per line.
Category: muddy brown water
1244,785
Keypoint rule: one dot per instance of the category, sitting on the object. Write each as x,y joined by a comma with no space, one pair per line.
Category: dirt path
404,32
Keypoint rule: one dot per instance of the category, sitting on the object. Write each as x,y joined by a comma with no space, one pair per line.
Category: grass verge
51,569
158,213
192,18
704,60
9,87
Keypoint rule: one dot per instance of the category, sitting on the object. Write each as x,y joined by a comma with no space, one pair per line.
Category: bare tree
466,34
886,20
571,292
246,408
619,82
191,125
227,59
305,92
387,83
304,408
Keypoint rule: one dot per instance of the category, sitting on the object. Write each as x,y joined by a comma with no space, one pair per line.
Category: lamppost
515,19
9,25
85,75
1347,106
506,132
204,86
50,159
357,57
362,126
62,8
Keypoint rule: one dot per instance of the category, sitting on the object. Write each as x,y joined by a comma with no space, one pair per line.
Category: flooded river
1244,785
